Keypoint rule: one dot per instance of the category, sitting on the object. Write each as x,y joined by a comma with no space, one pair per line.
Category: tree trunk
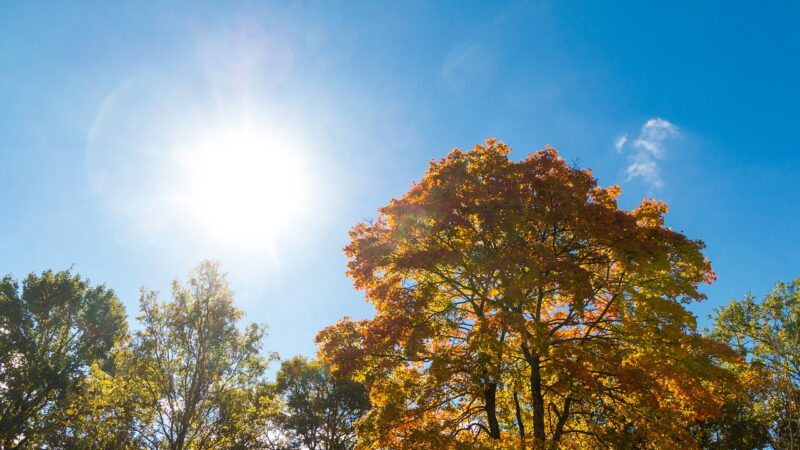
490,401
537,399
562,420
520,423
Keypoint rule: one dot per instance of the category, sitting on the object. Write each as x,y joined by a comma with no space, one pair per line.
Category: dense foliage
767,333
318,412
189,378
52,329
516,306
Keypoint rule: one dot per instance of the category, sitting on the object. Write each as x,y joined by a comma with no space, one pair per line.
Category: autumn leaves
517,305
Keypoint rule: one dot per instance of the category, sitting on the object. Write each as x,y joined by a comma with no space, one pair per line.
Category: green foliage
105,412
767,333
318,411
52,330
71,377
740,426
199,374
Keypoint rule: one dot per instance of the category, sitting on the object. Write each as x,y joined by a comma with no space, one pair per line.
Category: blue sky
102,105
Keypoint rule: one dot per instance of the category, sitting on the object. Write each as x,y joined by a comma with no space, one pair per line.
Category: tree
52,330
740,426
767,333
517,305
318,411
105,412
200,375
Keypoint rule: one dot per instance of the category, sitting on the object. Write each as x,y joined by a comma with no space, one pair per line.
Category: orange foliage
517,305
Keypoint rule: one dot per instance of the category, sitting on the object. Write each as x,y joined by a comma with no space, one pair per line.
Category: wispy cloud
653,135
620,141
648,148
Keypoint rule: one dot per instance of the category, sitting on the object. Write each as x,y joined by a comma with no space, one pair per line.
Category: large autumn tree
516,305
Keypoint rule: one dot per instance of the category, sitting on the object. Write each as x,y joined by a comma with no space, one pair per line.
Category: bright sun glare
242,186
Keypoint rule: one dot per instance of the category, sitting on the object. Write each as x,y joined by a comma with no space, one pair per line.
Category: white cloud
648,148
646,169
620,141
654,133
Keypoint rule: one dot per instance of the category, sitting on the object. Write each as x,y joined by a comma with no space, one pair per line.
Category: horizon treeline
516,306
73,377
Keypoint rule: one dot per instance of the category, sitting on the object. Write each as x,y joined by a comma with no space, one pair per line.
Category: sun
242,186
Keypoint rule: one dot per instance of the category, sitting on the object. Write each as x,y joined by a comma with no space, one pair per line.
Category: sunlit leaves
197,371
767,333
515,300
53,328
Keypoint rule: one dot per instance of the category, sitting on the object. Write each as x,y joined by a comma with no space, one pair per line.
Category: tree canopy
517,304
189,378
53,328
194,366
318,412
767,333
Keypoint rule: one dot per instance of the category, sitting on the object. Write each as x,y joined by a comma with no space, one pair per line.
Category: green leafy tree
767,333
200,375
53,329
318,411
739,426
